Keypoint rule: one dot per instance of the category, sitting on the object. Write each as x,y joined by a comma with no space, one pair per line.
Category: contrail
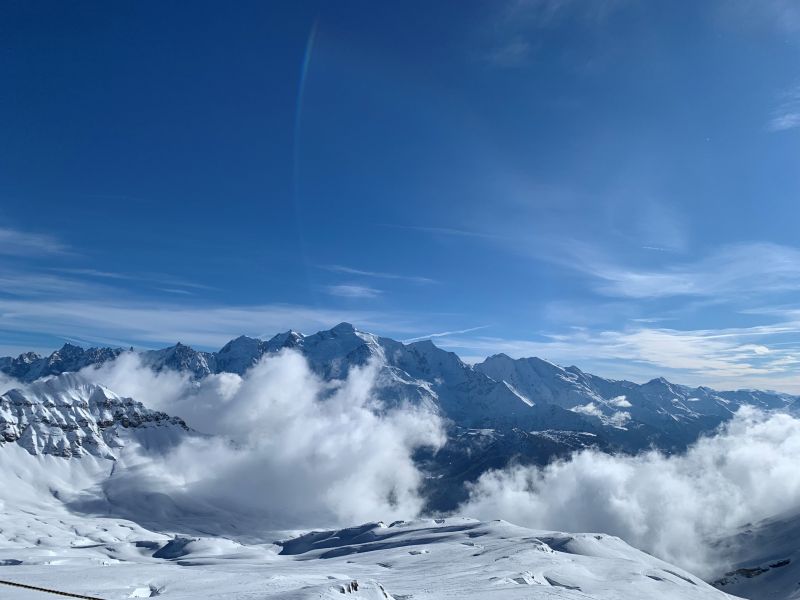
444,333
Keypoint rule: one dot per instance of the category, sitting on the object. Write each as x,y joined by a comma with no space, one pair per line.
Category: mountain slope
765,558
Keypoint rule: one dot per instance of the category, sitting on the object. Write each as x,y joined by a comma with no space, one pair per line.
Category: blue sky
611,184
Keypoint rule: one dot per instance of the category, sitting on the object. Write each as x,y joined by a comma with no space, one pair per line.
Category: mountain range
501,393
527,410
496,412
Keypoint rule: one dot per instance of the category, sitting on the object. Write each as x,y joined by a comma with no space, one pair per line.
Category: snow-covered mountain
66,415
31,366
679,413
74,450
500,393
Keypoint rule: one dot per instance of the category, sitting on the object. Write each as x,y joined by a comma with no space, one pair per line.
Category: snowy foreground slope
445,558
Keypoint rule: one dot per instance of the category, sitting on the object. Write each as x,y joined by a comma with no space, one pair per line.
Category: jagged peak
427,347
29,356
180,348
499,356
424,344
343,328
543,361
533,360
290,337
69,347
242,340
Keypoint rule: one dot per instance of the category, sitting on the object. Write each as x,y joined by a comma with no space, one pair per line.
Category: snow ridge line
46,590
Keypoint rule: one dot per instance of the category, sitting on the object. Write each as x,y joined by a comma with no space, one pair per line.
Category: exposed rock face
68,416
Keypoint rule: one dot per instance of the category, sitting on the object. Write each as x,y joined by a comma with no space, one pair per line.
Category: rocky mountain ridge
67,415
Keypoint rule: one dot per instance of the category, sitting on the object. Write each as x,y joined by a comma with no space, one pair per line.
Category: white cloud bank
306,452
670,506
733,271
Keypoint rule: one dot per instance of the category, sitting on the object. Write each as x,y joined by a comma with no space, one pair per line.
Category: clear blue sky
612,184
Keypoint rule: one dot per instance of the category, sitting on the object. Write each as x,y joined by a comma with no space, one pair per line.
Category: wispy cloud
104,307
785,120
517,22
543,13
376,274
353,291
94,273
765,356
25,284
14,242
659,226
511,53
123,323
730,272
787,114
163,282
448,231
780,15
444,334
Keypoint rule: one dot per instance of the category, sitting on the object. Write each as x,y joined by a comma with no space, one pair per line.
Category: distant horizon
467,360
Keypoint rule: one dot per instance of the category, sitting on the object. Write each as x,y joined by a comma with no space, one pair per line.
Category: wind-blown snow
8,383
